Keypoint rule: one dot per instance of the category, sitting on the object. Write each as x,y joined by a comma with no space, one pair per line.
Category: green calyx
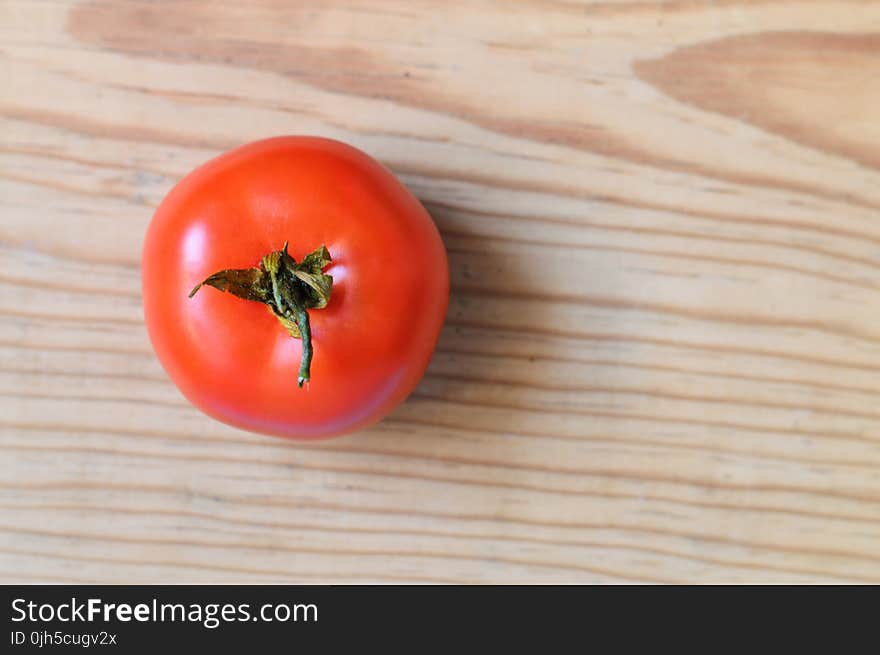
288,289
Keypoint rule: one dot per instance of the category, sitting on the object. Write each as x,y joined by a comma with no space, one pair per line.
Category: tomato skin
373,341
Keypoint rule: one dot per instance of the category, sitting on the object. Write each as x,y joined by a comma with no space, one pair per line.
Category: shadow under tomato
480,379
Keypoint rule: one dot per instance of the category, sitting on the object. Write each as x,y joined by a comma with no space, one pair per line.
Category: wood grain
662,355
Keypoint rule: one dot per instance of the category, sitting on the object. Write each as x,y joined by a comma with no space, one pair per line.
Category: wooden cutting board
662,355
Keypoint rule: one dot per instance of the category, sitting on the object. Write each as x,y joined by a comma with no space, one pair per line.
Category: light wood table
662,355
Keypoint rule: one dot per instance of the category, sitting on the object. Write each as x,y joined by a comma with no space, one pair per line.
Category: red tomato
372,342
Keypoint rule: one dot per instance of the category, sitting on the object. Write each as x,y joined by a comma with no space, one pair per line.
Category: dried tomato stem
305,332
288,289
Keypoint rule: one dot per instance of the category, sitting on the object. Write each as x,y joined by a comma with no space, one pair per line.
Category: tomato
233,356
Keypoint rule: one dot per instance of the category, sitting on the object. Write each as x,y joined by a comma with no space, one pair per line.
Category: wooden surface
662,355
